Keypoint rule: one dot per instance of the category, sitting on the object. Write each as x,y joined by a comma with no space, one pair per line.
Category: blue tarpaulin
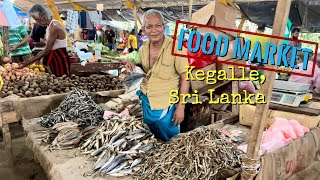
20,12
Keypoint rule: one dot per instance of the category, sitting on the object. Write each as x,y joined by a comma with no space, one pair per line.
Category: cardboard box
217,14
231,49
196,85
246,117
216,33
237,72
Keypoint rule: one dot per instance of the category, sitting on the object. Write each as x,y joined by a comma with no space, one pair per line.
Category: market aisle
26,168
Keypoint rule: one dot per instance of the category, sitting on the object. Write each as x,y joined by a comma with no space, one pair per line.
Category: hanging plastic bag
199,59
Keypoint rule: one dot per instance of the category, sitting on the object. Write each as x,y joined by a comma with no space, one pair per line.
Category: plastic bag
281,133
247,85
134,78
199,59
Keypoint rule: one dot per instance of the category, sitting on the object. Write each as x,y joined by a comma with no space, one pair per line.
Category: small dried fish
200,154
78,107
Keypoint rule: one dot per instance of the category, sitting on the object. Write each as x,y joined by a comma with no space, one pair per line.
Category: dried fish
199,154
78,107
119,145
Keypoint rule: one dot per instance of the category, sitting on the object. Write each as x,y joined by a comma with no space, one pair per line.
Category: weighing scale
290,93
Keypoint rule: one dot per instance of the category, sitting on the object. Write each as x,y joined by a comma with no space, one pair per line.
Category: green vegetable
133,57
1,51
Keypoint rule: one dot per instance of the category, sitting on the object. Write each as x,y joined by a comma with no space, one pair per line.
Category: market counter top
93,68
60,164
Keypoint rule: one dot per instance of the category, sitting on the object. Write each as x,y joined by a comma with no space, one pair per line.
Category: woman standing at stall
132,41
55,54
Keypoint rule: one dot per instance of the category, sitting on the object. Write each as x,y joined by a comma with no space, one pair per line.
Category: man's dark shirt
110,35
38,32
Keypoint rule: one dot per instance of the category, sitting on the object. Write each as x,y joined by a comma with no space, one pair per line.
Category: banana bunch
37,67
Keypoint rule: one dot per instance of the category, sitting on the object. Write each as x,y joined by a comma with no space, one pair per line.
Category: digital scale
290,93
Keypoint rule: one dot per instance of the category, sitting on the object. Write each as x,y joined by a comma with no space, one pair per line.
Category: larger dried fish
122,142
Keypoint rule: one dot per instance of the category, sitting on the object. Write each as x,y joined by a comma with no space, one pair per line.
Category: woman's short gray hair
152,12
39,10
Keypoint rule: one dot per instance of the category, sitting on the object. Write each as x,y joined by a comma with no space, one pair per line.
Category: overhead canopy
305,13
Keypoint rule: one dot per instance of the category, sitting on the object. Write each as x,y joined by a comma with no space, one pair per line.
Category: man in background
110,37
37,35
18,42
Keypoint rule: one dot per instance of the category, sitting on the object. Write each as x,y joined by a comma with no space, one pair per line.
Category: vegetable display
30,84
133,56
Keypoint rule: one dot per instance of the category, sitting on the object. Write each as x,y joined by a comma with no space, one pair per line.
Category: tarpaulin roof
303,13
117,10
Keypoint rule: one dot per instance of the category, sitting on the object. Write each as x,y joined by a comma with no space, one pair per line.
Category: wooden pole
190,10
5,41
135,18
279,25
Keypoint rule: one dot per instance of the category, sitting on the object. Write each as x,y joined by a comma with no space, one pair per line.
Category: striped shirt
15,37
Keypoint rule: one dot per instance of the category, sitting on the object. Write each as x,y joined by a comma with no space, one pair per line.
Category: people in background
37,35
132,41
294,35
314,81
110,37
165,72
18,41
141,38
55,54
262,40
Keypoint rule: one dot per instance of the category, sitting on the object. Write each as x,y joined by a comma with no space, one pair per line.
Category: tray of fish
199,154
121,144
78,107
66,135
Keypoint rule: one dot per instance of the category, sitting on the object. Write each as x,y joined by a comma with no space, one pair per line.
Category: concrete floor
25,167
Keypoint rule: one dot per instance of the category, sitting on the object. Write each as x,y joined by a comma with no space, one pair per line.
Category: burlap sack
292,159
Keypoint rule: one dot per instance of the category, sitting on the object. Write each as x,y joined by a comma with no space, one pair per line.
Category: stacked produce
67,135
122,144
31,85
10,73
78,107
199,154
37,67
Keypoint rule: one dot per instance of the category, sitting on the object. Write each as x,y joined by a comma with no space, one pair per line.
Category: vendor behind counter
314,81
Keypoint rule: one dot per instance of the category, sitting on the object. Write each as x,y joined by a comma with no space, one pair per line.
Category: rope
252,168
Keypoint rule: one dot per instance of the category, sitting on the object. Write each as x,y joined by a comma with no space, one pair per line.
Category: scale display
289,99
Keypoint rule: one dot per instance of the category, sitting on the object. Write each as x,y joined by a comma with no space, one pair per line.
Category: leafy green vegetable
133,56
1,51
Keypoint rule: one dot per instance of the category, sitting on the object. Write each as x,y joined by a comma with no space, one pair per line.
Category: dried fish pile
78,107
67,135
199,154
121,144
64,135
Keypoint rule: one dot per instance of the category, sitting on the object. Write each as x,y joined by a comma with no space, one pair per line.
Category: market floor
25,167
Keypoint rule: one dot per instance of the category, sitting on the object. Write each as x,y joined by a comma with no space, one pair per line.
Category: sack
199,59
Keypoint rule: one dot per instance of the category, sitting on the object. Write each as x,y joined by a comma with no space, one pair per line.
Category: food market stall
121,143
